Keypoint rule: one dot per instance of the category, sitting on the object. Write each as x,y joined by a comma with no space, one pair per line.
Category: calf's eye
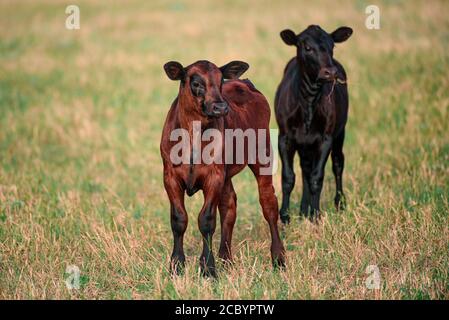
308,49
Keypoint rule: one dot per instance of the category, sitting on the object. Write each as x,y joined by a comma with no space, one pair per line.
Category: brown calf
204,96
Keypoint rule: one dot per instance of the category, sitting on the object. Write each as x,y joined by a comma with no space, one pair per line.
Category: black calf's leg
338,163
317,176
306,169
287,153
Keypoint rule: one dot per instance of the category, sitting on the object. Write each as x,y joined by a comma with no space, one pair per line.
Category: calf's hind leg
269,204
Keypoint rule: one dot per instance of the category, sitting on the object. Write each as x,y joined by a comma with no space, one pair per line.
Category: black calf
311,107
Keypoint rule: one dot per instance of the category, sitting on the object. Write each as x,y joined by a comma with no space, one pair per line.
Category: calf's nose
220,108
328,73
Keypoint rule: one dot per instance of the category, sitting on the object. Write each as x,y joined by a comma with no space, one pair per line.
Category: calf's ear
289,37
341,34
174,70
234,69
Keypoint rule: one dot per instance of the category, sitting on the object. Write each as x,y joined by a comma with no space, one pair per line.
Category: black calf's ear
174,70
234,69
289,37
341,34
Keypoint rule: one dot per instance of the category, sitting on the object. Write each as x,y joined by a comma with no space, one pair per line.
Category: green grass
81,113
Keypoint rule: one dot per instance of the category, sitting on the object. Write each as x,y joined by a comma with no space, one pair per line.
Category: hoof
208,267
177,265
315,217
226,259
279,262
340,202
285,218
209,273
278,257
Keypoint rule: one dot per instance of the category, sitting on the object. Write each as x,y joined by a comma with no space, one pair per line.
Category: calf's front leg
306,169
228,212
178,220
207,224
317,176
338,164
287,153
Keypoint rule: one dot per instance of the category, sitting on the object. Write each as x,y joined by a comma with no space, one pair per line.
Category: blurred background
81,114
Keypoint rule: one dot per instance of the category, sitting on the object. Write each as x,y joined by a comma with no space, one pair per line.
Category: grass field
81,113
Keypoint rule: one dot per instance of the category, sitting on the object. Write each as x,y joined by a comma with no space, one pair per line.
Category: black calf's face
315,49
203,81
